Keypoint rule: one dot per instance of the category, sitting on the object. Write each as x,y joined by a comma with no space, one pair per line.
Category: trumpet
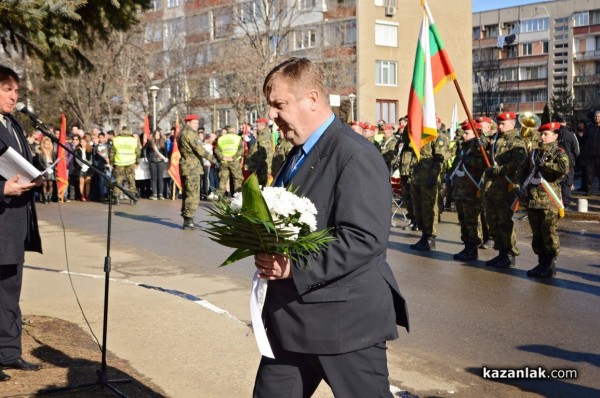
529,122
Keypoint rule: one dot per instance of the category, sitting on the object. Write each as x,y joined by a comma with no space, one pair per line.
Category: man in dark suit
328,317
18,229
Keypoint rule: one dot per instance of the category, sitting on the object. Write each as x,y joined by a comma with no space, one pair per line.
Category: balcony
586,30
587,55
586,80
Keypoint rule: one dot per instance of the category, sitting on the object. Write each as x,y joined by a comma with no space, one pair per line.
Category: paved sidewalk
186,349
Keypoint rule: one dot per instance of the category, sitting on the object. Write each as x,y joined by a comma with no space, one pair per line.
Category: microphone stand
110,183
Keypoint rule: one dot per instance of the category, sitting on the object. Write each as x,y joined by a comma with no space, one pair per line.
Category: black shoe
469,254
487,244
548,268
458,255
506,260
534,270
426,245
493,261
414,245
20,364
4,376
410,225
188,223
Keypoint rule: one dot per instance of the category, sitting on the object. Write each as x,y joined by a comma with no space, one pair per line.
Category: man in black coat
591,152
18,229
569,143
328,316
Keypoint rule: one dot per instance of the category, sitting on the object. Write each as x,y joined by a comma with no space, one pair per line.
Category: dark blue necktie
11,130
287,176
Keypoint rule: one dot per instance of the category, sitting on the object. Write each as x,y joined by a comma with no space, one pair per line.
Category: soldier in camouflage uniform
388,146
509,166
192,152
260,155
229,151
281,151
424,190
124,158
466,177
407,161
544,204
488,129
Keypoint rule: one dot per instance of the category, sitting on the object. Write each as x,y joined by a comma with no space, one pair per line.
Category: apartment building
210,56
524,57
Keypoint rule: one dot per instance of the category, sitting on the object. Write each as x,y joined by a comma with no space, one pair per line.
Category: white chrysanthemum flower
308,220
236,201
294,229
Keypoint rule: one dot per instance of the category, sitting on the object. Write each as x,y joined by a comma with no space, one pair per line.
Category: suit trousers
11,279
356,374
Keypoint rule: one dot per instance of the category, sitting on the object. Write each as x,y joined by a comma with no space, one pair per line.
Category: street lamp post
352,98
154,91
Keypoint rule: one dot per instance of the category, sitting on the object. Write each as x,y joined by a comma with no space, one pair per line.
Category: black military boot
469,254
549,267
506,260
188,223
534,270
423,238
427,244
493,261
458,255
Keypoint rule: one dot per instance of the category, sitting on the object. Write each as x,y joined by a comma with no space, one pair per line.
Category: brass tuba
529,122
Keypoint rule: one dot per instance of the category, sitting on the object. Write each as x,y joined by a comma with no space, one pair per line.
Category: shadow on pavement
147,218
555,352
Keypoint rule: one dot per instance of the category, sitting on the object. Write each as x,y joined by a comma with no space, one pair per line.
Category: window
534,96
562,45
224,117
213,87
561,37
594,17
534,25
491,31
197,23
386,110
278,45
534,72
597,40
581,19
153,32
250,11
561,20
386,34
173,28
340,34
561,28
560,70
385,73
306,5
563,54
512,52
508,75
545,47
561,62
526,49
597,67
155,5
173,3
304,39
223,24
477,33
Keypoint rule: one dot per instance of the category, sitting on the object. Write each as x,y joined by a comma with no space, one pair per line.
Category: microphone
22,108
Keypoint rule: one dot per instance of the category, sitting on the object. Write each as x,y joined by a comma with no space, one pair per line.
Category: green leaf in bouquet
253,202
237,255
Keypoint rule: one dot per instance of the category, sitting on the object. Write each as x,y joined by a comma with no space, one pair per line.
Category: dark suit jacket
18,219
348,299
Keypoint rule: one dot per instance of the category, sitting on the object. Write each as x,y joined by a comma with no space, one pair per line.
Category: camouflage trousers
499,215
543,226
407,198
425,207
485,230
233,171
122,174
191,195
468,216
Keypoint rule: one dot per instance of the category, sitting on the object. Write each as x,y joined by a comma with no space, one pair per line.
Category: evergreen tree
546,115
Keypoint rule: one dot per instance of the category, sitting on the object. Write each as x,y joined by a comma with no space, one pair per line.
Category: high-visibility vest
125,147
229,144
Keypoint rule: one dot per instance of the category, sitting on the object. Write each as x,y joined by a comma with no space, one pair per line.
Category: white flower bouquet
274,220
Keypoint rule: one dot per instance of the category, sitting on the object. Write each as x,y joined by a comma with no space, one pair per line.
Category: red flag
175,156
147,134
62,179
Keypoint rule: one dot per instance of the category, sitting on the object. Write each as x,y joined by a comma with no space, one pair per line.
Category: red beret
506,116
357,123
191,117
484,119
262,120
467,126
388,127
370,126
553,126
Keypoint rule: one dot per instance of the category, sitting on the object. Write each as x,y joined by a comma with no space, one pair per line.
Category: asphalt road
463,316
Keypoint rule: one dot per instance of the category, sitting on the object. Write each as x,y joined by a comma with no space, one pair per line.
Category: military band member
469,166
509,166
544,204
488,129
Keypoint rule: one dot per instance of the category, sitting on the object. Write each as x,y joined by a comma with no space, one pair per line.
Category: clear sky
483,5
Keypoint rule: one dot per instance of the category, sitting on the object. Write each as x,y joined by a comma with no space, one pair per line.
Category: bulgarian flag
62,179
175,156
441,68
422,127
